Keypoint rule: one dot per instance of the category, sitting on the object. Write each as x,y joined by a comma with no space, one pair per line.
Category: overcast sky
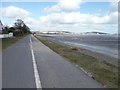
68,15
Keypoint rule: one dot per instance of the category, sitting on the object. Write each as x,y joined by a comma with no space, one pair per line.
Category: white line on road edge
37,78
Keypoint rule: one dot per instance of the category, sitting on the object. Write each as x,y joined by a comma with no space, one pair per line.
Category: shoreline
103,72
102,57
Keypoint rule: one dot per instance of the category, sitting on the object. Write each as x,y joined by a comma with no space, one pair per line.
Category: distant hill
95,32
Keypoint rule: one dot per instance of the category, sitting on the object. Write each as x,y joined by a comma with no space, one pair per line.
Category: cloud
77,28
80,22
67,12
69,5
77,17
32,23
54,8
114,6
65,15
65,5
14,12
118,6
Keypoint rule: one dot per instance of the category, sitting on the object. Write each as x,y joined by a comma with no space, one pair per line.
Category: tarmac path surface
30,64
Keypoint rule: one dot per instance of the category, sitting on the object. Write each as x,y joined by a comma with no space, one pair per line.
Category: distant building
55,32
45,32
4,35
95,33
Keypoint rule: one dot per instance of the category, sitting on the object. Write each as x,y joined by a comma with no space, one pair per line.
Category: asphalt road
17,71
53,70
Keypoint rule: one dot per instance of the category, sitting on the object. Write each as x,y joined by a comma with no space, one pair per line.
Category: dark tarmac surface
54,71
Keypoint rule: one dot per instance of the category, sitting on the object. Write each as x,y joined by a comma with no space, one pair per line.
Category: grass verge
102,72
6,42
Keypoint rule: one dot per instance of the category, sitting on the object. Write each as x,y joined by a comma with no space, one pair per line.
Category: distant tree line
19,28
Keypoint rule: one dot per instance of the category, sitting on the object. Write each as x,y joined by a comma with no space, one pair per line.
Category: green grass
103,73
6,42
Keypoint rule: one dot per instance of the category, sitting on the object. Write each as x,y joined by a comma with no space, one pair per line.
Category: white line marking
37,78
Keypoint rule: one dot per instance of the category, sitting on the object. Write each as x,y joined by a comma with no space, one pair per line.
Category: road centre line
37,78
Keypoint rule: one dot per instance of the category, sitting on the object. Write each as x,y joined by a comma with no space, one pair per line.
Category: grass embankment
6,42
103,73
